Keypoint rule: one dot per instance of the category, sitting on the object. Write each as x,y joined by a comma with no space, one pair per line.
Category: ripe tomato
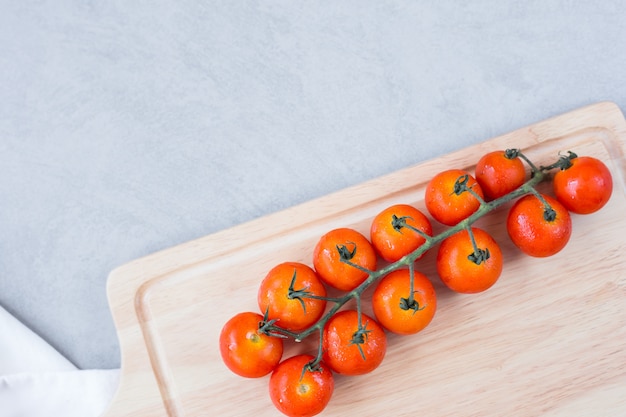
285,294
247,352
349,350
533,231
444,200
329,266
391,233
298,393
464,271
585,186
499,173
393,308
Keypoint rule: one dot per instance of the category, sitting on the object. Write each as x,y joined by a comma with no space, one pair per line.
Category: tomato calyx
269,328
479,255
410,304
313,366
294,294
399,223
346,254
512,153
549,214
360,337
564,162
460,186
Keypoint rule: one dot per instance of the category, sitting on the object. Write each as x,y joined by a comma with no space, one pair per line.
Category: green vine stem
359,337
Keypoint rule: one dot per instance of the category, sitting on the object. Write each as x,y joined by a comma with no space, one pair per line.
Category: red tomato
499,173
392,305
247,352
350,350
285,294
297,392
391,231
444,200
464,271
534,231
585,186
355,247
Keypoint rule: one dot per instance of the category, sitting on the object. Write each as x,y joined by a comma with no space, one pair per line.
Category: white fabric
37,381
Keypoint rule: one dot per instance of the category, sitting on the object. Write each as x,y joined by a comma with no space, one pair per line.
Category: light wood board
548,339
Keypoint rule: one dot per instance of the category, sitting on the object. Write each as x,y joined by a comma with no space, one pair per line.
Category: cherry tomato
444,199
355,248
391,231
247,352
350,350
285,294
585,186
393,307
536,231
464,270
499,173
297,392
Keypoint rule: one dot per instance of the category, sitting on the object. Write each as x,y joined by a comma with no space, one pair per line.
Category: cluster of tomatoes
294,302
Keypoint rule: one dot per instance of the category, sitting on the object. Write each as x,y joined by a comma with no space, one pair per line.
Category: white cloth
37,381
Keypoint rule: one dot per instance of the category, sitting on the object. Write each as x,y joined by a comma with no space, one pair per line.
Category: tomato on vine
399,230
499,173
245,350
292,294
469,263
452,196
299,390
343,258
353,346
539,225
584,185
402,308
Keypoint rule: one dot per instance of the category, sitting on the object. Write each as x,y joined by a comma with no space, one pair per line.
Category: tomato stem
346,254
409,303
294,294
460,186
549,214
534,170
398,223
479,255
564,162
512,153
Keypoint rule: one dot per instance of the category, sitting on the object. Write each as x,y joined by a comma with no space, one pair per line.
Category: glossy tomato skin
392,292
298,394
244,350
584,187
342,354
392,243
461,274
292,313
336,273
498,174
532,233
446,206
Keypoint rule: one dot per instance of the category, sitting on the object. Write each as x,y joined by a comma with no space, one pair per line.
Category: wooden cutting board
548,339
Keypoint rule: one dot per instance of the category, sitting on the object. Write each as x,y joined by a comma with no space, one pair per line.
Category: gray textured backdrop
131,126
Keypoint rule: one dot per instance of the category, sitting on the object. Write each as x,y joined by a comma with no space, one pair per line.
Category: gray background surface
127,127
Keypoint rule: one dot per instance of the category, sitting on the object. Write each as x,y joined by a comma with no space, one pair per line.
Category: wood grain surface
549,339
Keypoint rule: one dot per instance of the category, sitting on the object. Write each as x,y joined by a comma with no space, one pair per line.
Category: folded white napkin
37,381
